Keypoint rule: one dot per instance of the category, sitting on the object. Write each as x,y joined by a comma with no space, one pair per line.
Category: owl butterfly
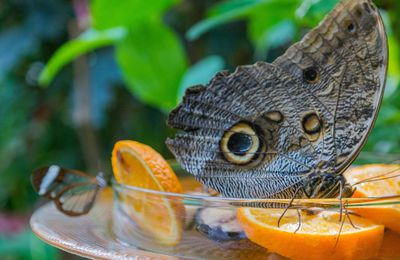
290,128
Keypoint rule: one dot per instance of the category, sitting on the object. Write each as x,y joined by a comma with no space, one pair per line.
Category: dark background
115,68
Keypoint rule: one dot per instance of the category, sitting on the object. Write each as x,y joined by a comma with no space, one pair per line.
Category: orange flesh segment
317,237
138,165
141,166
390,246
388,215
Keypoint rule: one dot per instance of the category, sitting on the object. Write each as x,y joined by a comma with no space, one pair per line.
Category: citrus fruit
390,246
382,185
136,164
191,185
317,236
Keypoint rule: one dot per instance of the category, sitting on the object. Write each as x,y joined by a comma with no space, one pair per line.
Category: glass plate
89,235
111,231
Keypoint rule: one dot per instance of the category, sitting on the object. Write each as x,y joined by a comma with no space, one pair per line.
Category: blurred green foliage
114,68
25,245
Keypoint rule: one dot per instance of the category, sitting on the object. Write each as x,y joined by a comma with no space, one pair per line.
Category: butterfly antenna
99,165
379,177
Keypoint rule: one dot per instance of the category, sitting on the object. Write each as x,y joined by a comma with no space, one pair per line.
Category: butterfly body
290,128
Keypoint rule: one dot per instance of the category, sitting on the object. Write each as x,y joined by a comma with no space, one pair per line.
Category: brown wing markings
244,98
366,47
335,114
217,106
279,193
276,105
243,70
212,117
358,61
320,66
291,100
342,59
377,25
338,97
229,164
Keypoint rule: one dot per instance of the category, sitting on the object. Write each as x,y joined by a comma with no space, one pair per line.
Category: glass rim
229,201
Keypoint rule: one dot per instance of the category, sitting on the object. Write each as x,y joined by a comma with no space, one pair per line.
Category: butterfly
290,128
73,192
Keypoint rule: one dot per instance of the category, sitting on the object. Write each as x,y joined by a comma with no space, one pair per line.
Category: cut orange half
138,165
383,181
317,236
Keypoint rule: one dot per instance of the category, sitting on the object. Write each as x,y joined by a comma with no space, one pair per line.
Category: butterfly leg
347,215
288,206
341,200
299,218
345,191
340,230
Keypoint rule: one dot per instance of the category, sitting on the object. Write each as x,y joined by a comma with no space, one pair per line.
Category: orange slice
387,215
317,237
390,246
138,165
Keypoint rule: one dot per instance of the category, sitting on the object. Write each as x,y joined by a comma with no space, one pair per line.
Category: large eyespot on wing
328,87
259,96
205,113
343,63
241,144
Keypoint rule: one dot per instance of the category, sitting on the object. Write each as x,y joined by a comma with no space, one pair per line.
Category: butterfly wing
77,199
349,53
262,130
73,192
259,100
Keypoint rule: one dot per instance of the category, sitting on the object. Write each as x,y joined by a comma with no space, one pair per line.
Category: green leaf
86,42
275,36
225,12
394,64
271,25
153,62
233,10
312,11
108,14
200,73
387,115
230,5
267,16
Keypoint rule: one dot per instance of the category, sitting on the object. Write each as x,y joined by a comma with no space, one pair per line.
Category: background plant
113,69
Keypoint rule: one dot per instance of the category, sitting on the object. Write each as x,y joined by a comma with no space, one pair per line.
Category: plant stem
81,113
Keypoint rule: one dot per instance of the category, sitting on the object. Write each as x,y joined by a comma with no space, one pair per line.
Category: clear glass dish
198,238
